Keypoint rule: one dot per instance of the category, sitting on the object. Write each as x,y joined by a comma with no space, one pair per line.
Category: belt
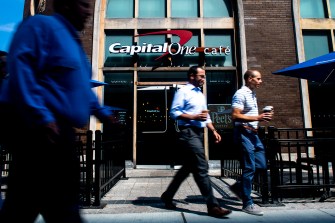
181,127
249,128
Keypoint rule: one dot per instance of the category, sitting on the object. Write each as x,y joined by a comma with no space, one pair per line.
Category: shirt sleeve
177,105
238,101
26,57
99,111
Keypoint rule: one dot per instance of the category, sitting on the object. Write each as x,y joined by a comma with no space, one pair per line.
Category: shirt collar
192,87
248,90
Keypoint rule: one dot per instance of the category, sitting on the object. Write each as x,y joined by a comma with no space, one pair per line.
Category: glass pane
332,8
151,8
118,59
217,8
316,43
120,9
221,85
184,8
149,59
118,95
312,9
162,76
186,60
151,108
217,39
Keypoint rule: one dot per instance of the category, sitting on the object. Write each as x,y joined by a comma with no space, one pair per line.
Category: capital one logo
166,49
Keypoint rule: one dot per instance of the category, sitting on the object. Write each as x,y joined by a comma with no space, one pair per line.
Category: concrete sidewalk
273,216
137,199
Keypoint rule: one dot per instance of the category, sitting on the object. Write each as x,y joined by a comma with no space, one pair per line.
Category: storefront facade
135,47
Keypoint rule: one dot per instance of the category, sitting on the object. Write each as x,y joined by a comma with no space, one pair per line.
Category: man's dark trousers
191,146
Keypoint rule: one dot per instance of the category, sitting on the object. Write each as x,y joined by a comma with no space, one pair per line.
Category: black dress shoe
168,202
218,212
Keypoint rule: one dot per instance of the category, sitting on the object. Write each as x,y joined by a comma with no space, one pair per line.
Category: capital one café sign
165,49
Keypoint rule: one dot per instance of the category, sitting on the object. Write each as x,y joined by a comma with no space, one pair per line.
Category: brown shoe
218,212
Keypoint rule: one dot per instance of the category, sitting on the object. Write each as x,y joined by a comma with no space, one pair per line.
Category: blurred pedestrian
3,65
3,77
189,107
246,118
49,93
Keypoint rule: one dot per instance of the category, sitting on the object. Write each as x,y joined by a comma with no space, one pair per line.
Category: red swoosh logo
184,36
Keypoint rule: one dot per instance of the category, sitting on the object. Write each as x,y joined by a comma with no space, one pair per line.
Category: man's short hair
193,70
249,73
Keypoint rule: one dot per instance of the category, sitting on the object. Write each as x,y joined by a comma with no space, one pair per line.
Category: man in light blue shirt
189,107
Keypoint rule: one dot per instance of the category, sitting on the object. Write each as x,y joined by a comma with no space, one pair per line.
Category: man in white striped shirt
246,118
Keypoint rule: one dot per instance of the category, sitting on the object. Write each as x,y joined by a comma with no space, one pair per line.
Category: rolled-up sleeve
177,105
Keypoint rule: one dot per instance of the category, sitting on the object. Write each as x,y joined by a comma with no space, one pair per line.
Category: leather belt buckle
250,128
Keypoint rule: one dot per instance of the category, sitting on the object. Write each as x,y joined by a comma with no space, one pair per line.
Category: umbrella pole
328,76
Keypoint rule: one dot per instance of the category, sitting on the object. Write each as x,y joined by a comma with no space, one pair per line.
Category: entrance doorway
156,131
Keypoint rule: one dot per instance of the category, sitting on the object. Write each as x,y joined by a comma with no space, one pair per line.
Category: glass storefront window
316,43
186,60
120,9
217,38
162,76
125,38
118,94
332,8
217,8
312,9
184,8
221,85
152,8
149,59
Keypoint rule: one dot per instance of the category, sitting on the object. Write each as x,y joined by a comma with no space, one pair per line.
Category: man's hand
51,131
201,116
112,119
267,116
217,136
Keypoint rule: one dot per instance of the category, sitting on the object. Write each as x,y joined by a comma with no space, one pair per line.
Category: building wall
270,45
86,35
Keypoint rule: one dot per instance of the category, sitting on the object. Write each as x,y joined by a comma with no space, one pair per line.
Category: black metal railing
109,164
301,160
300,163
102,164
230,163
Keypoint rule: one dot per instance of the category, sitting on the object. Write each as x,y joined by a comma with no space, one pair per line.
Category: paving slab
137,199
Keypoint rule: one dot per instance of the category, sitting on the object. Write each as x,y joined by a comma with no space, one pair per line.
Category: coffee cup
268,109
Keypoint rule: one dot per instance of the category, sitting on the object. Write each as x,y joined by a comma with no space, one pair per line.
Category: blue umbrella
95,83
319,69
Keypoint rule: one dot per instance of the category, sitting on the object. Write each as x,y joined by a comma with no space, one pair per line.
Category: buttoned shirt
189,100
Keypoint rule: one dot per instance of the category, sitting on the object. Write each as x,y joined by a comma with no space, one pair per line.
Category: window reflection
184,8
312,9
217,8
152,8
120,9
